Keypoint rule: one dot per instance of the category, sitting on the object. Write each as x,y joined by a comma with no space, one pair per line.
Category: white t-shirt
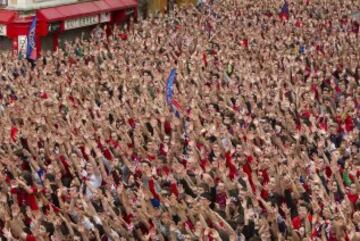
95,182
88,224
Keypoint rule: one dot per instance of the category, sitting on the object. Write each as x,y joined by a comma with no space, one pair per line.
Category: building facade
147,7
57,19
26,5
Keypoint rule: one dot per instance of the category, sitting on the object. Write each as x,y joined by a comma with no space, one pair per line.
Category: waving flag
170,86
31,46
284,13
174,105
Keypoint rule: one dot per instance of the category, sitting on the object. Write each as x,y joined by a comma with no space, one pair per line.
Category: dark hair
357,206
50,228
50,177
64,230
28,178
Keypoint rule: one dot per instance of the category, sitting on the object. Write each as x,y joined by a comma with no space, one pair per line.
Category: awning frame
71,11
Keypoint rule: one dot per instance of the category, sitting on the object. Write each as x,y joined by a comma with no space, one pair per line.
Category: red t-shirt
174,190
221,199
355,27
296,221
162,150
30,237
123,36
231,166
188,224
13,133
128,218
353,198
31,199
132,123
24,198
247,169
167,127
245,43
298,23
204,59
114,144
349,124
151,157
264,194
44,95
203,163
20,195
153,190
323,123
64,163
107,154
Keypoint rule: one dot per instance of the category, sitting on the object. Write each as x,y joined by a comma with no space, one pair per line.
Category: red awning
102,5
77,10
6,16
50,14
121,4
83,9
130,3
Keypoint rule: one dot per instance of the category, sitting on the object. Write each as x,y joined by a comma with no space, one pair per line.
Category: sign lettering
130,12
54,27
81,22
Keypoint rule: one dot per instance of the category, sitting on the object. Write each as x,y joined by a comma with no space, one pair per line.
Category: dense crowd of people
264,144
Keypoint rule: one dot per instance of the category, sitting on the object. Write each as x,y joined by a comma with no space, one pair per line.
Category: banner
31,46
174,105
170,86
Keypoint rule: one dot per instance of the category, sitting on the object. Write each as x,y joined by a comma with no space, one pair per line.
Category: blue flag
41,173
285,8
155,202
302,49
170,86
170,91
31,45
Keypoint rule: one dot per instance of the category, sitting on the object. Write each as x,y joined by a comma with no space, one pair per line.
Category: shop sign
3,31
22,43
105,17
129,12
54,27
81,22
